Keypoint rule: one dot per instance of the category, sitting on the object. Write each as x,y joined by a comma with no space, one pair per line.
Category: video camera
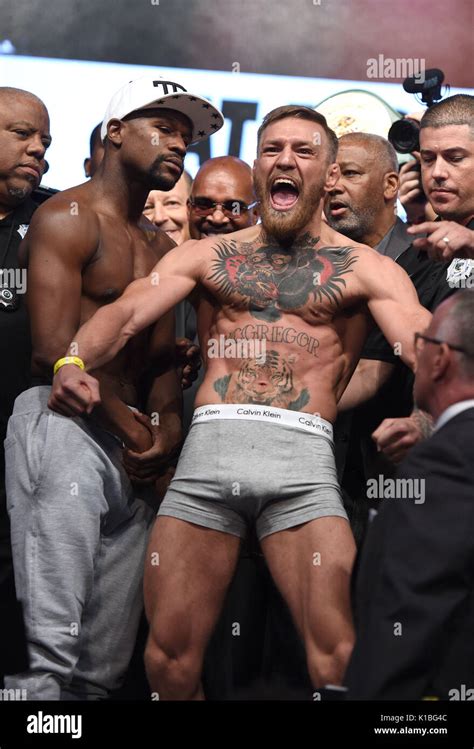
404,135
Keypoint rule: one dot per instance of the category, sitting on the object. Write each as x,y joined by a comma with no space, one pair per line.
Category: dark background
287,37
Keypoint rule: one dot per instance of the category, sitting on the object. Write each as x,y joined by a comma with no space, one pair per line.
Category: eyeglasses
437,341
204,206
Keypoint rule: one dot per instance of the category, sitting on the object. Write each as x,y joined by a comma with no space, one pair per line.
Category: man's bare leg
188,569
311,565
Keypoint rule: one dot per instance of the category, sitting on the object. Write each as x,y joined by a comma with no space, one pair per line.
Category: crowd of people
292,513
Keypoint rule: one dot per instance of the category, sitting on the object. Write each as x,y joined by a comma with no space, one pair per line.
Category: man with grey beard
294,283
362,204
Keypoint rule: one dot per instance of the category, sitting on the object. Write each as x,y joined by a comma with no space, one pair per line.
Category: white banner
76,94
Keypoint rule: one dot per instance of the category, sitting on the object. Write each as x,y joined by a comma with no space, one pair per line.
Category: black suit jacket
416,577
398,242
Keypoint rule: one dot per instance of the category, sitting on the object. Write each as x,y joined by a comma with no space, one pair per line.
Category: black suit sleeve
414,576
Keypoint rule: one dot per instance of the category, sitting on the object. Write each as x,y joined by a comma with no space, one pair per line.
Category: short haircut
455,110
457,327
380,147
95,140
302,113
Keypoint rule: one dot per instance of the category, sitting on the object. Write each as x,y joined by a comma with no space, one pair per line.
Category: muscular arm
393,303
367,379
57,252
143,302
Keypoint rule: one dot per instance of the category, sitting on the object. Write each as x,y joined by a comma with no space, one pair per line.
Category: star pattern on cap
215,119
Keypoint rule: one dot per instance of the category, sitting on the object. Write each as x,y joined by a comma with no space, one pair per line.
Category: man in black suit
414,599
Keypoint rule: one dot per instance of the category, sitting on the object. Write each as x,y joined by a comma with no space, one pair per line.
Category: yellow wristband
68,360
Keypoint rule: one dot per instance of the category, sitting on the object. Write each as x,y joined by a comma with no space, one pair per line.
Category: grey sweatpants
79,537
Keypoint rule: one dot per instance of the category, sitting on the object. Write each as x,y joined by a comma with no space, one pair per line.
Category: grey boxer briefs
245,464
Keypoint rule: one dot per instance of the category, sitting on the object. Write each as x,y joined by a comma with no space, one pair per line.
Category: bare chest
122,256
269,282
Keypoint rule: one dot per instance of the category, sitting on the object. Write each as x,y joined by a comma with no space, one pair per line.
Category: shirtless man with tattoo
260,448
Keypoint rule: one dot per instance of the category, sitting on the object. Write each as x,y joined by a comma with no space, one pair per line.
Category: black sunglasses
438,342
231,208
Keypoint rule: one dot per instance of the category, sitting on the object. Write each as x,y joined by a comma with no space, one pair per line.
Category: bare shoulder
195,257
377,275
333,239
69,215
381,277
65,227
188,259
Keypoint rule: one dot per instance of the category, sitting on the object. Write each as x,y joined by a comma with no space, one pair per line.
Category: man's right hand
74,392
410,183
411,193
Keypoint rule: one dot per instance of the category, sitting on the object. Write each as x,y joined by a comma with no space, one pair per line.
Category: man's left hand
147,467
444,240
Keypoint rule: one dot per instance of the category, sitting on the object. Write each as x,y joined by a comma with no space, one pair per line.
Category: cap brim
205,118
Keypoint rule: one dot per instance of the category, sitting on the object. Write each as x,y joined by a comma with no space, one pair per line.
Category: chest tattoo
273,280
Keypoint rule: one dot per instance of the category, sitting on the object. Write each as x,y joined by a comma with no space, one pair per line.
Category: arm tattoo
273,279
423,421
269,383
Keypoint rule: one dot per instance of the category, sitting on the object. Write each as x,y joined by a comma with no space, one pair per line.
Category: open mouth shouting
284,194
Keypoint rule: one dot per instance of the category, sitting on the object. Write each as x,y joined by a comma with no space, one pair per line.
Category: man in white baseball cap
157,93
86,541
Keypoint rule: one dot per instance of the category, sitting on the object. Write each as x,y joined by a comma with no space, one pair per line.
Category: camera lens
404,136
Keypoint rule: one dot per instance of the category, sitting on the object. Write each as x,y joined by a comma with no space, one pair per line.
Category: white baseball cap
159,92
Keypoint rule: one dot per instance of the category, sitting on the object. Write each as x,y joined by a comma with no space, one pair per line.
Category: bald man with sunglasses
222,199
